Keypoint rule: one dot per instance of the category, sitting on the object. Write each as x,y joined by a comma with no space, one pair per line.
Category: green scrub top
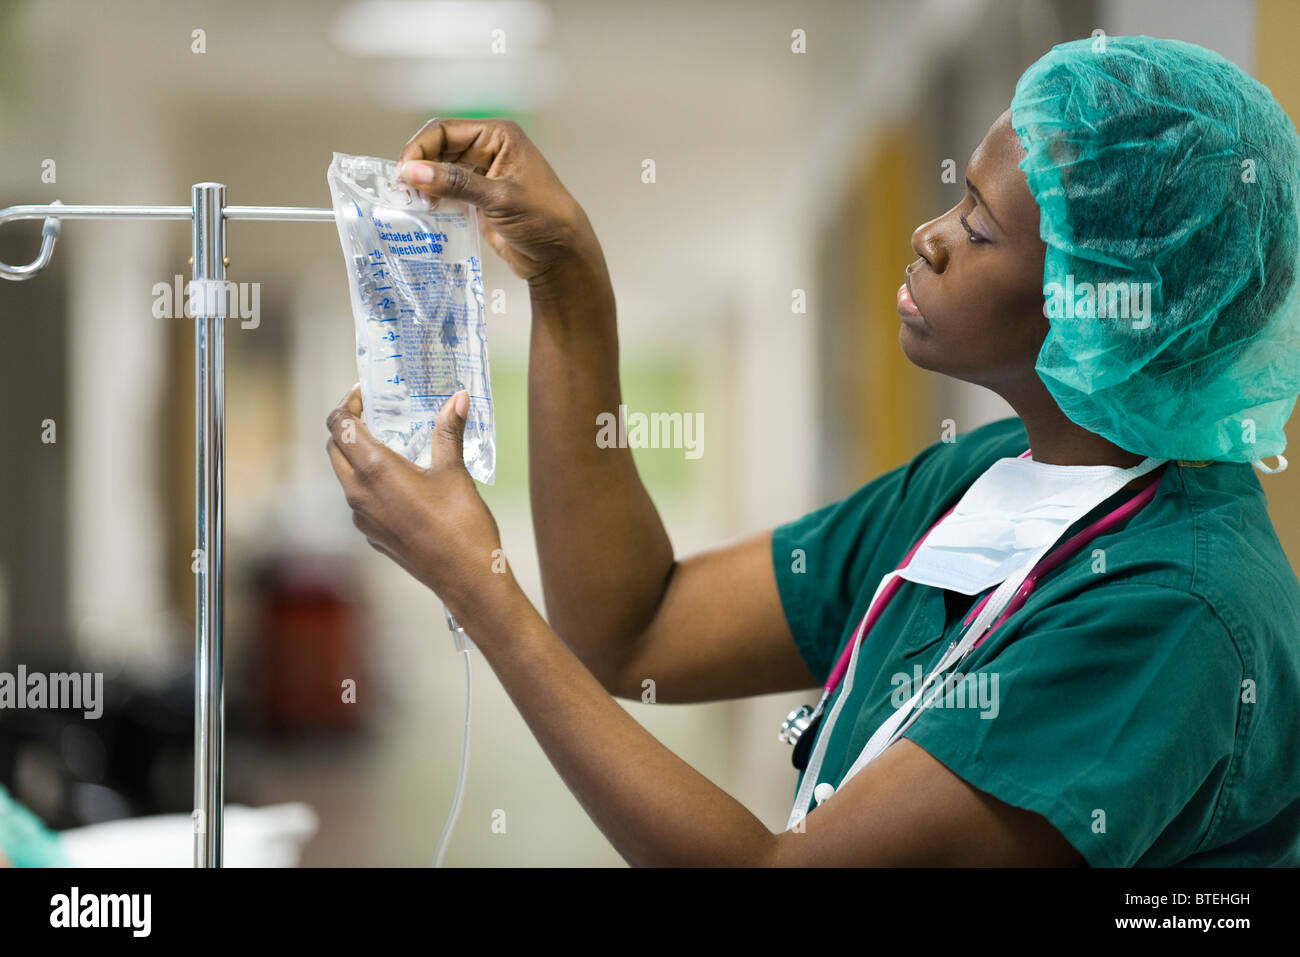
1145,698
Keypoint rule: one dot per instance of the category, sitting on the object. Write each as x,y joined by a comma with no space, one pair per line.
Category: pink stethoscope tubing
1051,561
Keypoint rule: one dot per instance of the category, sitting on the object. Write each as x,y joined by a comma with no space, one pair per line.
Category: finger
401,562
352,401
449,432
375,539
355,443
521,264
475,142
350,404
343,469
491,236
367,527
451,180
345,423
382,549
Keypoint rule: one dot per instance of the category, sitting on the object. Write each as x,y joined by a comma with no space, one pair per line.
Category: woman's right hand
525,213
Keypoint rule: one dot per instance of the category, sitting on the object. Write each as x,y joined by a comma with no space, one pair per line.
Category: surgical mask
1008,519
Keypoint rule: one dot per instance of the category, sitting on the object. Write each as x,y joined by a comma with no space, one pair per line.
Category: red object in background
310,648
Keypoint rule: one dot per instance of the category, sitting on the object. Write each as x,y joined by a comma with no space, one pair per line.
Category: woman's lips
907,308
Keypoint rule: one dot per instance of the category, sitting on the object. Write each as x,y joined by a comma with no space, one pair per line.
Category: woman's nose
928,243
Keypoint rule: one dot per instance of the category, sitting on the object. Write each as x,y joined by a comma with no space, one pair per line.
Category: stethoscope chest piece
800,729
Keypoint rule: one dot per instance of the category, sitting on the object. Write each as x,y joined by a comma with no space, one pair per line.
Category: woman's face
975,309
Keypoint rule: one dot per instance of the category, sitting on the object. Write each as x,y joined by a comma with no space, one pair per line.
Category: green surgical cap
1168,184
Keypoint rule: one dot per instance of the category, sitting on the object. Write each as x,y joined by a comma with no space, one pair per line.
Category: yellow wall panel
891,399
1279,69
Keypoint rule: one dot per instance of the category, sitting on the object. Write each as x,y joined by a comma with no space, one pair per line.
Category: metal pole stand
208,214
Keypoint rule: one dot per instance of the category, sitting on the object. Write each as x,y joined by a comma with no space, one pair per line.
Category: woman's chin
915,345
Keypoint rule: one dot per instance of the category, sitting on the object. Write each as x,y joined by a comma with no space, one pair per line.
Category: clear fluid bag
416,280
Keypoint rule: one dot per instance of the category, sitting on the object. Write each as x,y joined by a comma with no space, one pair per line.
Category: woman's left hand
432,522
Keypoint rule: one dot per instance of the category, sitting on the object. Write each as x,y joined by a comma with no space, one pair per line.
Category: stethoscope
800,726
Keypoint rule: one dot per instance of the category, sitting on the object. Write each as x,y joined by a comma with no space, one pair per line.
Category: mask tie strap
1281,466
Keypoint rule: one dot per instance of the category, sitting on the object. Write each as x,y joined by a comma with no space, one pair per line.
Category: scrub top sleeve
822,559
1114,715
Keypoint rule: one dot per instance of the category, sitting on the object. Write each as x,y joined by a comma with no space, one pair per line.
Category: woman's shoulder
1213,522
1236,560
1204,550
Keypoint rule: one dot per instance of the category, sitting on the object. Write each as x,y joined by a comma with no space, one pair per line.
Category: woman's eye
966,226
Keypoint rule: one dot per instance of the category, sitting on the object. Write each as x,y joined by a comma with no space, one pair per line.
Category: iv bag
416,282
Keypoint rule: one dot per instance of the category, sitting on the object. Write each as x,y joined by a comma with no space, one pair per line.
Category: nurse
1098,575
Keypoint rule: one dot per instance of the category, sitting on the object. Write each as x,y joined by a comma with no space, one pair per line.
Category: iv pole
208,214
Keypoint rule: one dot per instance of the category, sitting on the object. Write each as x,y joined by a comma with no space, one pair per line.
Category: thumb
449,432
455,180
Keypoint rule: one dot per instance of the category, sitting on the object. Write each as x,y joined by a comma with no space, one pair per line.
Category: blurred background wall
780,176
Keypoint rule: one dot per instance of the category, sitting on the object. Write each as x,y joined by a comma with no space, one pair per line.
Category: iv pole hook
49,234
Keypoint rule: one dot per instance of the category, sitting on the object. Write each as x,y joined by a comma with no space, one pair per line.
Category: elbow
609,664
607,670
618,685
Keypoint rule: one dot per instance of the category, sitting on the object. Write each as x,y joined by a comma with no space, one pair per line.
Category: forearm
605,556
653,807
